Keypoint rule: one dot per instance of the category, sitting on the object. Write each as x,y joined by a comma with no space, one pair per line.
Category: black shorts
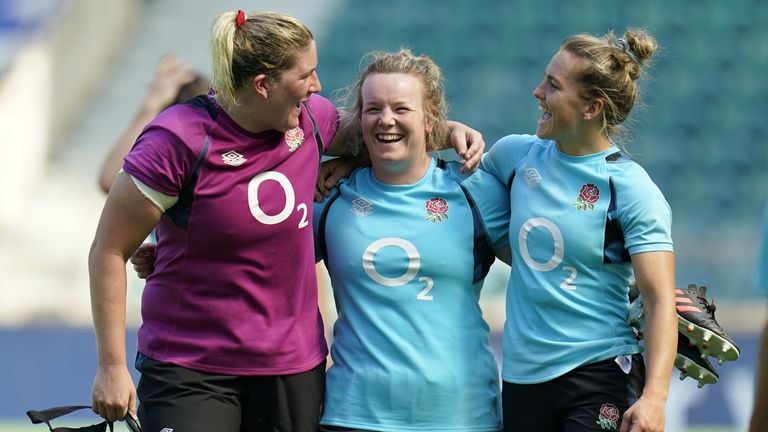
592,397
175,398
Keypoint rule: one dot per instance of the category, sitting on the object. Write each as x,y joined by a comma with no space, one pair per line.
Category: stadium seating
700,133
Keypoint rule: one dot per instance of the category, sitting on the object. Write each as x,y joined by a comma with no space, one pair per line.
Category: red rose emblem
588,196
294,134
294,138
437,205
437,210
609,412
589,193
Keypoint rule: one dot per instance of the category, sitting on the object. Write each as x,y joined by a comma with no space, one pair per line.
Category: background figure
759,421
585,219
174,82
408,242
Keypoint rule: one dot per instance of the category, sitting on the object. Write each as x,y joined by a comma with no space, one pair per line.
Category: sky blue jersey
411,350
575,222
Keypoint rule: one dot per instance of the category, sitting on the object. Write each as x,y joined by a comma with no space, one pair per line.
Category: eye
371,110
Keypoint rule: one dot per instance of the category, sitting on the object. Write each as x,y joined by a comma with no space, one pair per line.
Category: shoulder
321,106
507,153
629,175
516,144
188,118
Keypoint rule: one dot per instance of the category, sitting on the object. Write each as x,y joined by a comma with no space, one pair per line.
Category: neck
584,145
248,115
401,172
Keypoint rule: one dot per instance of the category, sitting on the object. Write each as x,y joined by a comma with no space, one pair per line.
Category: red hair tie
240,18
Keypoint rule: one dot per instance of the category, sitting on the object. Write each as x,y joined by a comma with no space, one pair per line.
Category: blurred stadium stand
73,71
700,134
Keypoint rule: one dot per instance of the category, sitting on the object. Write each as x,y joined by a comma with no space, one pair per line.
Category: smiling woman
408,243
252,148
586,218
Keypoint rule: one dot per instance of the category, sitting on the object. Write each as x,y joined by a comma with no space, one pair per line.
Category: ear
428,124
594,109
261,84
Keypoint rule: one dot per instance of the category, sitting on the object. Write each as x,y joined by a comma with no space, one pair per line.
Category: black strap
316,131
45,416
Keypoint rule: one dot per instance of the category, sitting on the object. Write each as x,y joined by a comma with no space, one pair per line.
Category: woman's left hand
645,415
468,143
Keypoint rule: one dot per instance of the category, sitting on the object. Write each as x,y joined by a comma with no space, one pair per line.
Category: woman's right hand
114,395
143,260
333,170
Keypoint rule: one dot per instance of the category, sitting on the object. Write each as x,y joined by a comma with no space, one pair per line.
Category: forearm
660,346
108,293
655,275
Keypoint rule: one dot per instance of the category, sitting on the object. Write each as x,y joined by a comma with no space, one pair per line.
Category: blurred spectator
174,82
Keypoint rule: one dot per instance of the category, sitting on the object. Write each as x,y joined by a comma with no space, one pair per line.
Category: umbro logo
361,207
532,177
166,430
232,158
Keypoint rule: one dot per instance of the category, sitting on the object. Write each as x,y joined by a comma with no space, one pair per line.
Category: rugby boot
696,320
692,363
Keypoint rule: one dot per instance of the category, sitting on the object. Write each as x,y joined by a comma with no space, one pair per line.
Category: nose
537,92
314,85
386,117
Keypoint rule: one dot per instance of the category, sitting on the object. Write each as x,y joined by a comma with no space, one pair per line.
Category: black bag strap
316,132
46,415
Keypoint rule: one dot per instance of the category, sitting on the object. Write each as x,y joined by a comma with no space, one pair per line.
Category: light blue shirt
574,223
411,350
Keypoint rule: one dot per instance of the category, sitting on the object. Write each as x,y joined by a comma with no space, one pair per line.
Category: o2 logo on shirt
414,264
290,199
557,256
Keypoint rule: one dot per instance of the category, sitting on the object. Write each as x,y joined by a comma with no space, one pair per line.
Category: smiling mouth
389,138
546,114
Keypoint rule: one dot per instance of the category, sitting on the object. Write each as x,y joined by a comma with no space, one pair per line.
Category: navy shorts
175,398
592,397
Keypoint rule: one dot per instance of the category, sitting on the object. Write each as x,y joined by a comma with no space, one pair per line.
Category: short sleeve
160,159
504,156
491,199
644,214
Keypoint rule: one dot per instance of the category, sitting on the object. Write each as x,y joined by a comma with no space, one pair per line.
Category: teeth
544,110
388,137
